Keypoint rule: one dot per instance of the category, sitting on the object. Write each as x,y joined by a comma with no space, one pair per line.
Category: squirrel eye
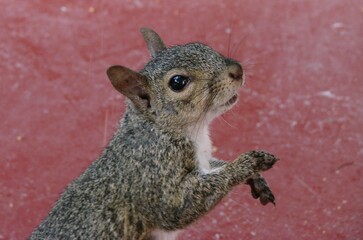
178,82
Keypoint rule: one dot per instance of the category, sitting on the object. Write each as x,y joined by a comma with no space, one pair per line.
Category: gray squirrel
157,175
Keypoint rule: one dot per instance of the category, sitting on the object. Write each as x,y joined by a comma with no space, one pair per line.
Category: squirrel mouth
232,100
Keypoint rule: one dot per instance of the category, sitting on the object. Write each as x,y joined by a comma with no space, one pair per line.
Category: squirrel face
180,85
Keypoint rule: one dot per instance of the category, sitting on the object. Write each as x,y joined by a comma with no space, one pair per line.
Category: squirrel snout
235,71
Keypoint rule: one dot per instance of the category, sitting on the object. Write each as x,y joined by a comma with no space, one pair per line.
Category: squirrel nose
235,71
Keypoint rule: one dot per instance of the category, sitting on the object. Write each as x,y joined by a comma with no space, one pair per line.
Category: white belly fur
203,146
164,235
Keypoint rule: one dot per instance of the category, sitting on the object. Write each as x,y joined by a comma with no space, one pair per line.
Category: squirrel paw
261,190
263,160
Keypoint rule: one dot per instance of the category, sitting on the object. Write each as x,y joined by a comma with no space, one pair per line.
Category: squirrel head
181,85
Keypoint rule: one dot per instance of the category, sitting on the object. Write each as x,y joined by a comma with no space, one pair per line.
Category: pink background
302,101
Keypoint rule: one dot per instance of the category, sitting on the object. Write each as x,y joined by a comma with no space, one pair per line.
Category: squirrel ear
131,84
153,41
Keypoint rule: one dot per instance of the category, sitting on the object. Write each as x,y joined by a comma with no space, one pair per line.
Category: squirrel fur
157,175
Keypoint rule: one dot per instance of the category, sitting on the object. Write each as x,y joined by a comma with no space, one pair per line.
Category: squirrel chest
202,145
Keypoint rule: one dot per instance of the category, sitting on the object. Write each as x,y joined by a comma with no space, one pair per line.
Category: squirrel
157,175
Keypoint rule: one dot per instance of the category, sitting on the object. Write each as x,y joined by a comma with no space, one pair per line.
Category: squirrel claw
264,160
260,189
